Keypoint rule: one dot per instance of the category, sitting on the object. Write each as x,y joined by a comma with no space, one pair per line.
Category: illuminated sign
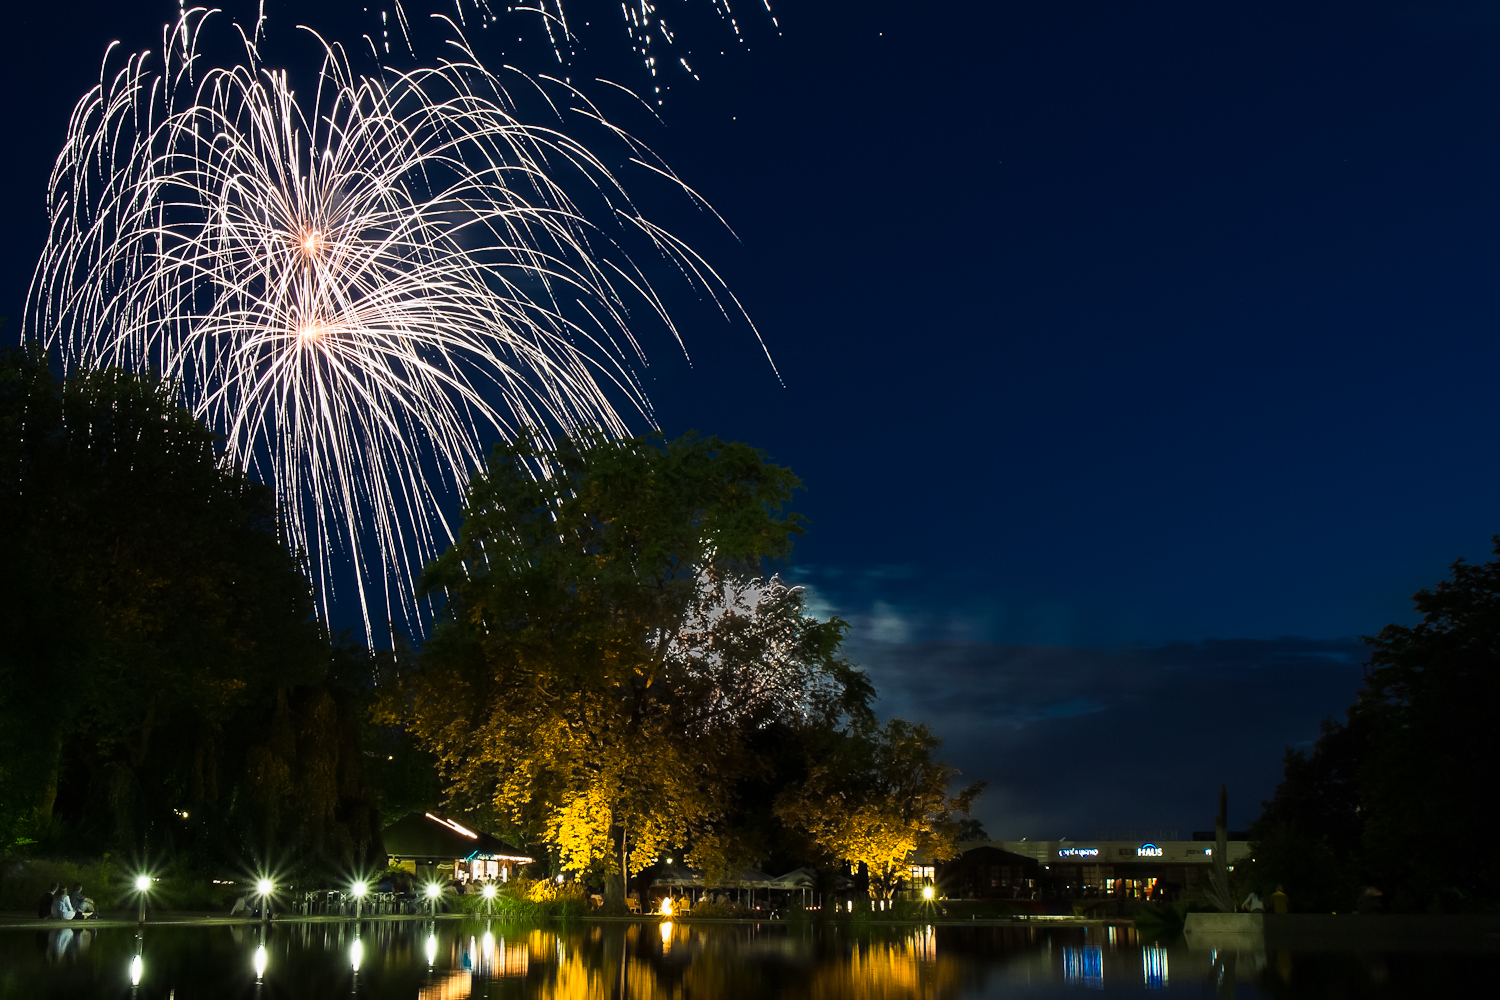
1078,852
1148,851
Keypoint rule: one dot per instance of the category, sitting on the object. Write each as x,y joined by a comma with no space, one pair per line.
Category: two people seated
62,904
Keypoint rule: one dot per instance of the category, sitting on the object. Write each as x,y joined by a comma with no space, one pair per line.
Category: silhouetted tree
1381,793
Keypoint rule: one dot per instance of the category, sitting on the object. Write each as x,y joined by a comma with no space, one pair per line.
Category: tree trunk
52,768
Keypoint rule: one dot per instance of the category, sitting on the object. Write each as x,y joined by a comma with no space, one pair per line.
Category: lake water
415,960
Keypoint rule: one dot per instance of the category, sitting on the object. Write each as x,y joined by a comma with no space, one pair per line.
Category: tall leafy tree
1365,805
159,636
609,639
877,797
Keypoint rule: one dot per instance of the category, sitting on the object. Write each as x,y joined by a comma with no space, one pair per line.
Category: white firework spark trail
356,290
645,24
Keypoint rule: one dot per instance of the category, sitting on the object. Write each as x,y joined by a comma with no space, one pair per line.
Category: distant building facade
1083,869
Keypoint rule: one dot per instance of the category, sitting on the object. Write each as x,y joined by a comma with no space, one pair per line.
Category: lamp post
264,888
142,886
489,897
433,892
358,891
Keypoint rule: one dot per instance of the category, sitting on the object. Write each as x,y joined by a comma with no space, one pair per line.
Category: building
440,850
1065,869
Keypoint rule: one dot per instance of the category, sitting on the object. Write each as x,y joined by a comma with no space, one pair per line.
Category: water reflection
386,959
1154,967
1084,966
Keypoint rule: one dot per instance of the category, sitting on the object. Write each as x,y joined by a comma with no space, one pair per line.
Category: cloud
1075,741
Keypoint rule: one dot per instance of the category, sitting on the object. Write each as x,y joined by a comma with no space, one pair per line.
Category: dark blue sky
1106,330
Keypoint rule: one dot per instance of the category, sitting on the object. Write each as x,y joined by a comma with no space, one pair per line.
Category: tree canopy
1365,805
611,641
161,654
877,797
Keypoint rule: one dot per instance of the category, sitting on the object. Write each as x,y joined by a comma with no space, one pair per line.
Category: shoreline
19,922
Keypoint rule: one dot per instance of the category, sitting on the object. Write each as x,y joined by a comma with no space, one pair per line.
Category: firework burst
357,288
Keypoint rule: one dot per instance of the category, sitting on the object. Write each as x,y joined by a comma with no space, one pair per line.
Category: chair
683,906
632,904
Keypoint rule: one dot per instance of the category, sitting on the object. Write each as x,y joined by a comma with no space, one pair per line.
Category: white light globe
142,883
433,890
489,892
265,887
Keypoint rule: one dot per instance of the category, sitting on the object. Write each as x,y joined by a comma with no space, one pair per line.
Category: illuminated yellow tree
608,634
878,796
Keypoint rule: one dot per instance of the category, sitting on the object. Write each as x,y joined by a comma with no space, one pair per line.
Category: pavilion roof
425,837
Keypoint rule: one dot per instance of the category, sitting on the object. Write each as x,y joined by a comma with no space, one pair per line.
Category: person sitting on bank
1252,904
1279,900
62,906
82,905
45,902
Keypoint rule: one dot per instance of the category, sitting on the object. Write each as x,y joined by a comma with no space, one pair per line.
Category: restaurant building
442,850
1065,869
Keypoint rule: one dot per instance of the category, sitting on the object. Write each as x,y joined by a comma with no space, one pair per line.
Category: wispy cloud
1077,739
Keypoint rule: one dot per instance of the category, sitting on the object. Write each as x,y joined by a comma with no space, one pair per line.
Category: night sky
1137,358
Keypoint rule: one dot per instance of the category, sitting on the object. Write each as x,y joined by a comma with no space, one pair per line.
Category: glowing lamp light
927,892
265,887
359,889
666,932
431,949
434,890
142,883
137,967
666,906
356,953
260,962
489,892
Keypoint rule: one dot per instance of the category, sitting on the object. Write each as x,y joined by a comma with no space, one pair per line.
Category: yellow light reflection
261,961
454,986
356,953
431,948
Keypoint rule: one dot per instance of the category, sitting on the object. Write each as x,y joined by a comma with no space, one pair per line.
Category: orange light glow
312,242
666,906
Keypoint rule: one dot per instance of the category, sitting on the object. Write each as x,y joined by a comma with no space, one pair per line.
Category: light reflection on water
449,960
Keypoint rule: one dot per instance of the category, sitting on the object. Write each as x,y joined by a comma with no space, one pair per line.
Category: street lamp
489,891
927,892
264,888
142,886
358,890
433,892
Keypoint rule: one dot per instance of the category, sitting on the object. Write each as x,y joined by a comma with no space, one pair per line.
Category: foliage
23,882
876,798
1363,807
163,682
609,643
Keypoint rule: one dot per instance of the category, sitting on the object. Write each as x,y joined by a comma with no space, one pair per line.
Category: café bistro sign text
1144,851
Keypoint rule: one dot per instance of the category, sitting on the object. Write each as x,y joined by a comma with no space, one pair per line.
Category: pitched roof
425,836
